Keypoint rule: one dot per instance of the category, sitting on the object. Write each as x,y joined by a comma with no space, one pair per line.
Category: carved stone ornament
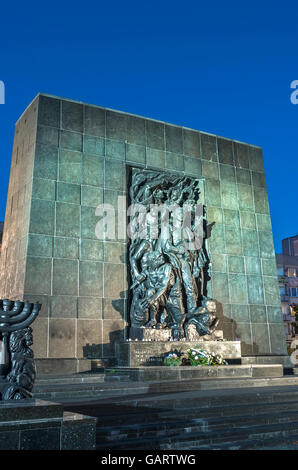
17,367
168,257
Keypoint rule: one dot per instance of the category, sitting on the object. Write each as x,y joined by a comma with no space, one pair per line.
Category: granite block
174,161
174,140
67,192
271,289
71,140
236,264
260,334
261,200
62,334
40,329
243,176
208,147
65,277
114,309
155,135
89,333
68,220
115,149
91,250
38,275
136,130
155,158
64,306
49,111
90,308
252,265
214,214
258,313
245,195
93,145
213,194
93,170
91,279
255,158
247,220
42,217
136,153
266,244
220,287
269,267
47,135
231,217
46,162
255,289
225,151
233,240
191,143
258,179
91,196
217,240
210,169
241,155
70,166
65,247
240,313
238,288
95,121
229,195
192,166
44,189
72,116
219,262
40,245
116,125
113,280
250,242
115,175
88,222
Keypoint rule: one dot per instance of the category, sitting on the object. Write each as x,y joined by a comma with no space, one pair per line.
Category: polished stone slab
165,373
43,425
26,410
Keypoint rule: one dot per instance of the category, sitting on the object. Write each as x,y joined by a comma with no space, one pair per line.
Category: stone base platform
165,373
43,425
152,353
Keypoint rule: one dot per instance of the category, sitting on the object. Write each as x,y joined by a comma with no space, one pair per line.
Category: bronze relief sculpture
169,261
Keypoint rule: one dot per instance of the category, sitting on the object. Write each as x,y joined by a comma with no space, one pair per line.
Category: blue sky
221,67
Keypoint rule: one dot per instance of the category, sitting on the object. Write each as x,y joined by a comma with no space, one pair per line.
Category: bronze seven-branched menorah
17,367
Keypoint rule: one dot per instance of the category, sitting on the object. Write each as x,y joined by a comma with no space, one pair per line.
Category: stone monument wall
69,157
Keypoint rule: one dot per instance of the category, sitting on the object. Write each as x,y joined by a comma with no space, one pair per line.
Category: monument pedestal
152,353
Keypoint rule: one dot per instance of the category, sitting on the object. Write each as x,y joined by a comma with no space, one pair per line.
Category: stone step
287,442
69,379
73,388
114,416
163,373
213,440
217,398
208,439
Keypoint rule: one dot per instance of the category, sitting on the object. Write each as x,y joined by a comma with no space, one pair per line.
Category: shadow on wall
106,350
233,332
